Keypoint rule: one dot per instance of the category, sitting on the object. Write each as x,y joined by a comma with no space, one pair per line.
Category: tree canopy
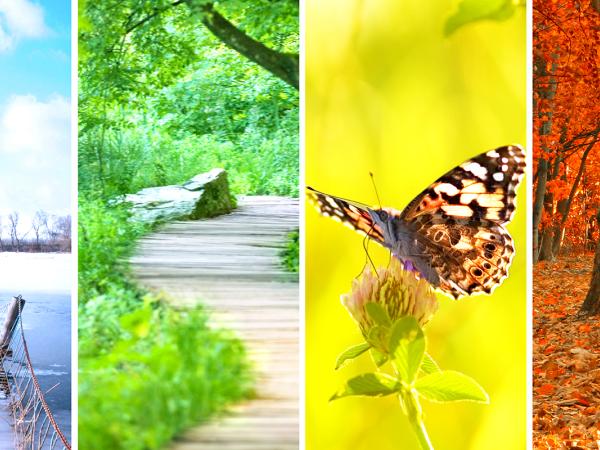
190,76
566,114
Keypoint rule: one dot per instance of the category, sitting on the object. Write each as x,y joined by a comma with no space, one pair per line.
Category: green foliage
470,11
291,253
429,365
146,371
351,353
406,344
450,386
105,238
166,371
378,314
369,384
161,100
379,358
407,347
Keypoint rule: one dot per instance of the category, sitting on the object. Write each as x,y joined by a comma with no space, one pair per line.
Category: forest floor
566,357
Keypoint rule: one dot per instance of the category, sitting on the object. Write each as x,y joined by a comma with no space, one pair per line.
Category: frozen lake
47,326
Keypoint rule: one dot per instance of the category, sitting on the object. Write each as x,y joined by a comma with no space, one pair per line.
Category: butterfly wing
352,214
481,188
469,257
453,232
458,222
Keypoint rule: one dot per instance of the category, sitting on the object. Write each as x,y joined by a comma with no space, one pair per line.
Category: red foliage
566,112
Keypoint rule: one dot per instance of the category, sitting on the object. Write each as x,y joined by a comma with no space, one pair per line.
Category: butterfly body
402,240
453,233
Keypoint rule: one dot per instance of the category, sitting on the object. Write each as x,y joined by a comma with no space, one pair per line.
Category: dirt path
231,264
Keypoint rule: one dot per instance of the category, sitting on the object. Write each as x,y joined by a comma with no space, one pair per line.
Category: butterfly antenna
375,187
366,241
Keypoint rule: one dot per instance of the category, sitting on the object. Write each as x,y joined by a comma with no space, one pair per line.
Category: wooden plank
231,265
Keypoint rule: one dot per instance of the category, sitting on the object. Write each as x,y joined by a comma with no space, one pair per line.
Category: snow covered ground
36,272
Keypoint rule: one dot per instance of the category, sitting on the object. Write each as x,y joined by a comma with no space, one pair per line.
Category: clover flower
398,292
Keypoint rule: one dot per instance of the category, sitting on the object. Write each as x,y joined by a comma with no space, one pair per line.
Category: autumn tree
566,113
591,304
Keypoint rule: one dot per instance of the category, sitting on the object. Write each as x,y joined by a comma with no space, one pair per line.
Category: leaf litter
566,357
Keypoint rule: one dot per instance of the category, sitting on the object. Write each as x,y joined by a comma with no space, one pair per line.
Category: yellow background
387,93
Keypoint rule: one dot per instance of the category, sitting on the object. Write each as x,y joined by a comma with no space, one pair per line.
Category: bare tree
13,224
51,229
39,221
64,226
48,233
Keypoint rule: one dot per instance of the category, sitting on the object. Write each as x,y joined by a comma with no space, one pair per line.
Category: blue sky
35,69
39,65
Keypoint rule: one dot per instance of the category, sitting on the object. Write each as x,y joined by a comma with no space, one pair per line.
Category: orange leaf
546,389
549,349
585,328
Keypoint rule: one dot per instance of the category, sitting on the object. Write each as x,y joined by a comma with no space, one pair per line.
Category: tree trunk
564,206
285,66
591,304
546,244
538,206
543,239
559,229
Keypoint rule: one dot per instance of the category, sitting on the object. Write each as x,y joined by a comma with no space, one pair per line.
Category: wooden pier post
12,314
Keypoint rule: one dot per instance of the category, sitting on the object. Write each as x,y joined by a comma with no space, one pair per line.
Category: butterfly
453,233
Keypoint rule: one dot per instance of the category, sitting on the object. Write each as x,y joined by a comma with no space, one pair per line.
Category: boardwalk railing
33,422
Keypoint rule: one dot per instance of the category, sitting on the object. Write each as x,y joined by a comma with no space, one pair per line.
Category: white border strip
74,228
529,231
302,262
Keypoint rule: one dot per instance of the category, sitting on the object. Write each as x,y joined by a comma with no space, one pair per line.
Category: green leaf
351,353
379,358
429,365
407,346
470,11
138,322
451,386
369,384
378,314
377,336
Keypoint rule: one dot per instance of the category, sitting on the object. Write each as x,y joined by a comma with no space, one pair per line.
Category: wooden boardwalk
231,264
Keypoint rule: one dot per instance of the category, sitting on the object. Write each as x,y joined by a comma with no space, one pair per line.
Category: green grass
256,163
290,255
146,371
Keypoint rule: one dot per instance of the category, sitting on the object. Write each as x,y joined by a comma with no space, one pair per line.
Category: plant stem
421,432
415,416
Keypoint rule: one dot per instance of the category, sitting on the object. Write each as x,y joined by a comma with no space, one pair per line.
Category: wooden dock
231,264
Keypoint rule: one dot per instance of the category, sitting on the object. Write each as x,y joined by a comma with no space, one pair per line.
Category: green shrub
291,253
166,371
146,371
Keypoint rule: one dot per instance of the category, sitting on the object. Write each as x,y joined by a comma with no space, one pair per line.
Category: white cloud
35,152
20,19
35,128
